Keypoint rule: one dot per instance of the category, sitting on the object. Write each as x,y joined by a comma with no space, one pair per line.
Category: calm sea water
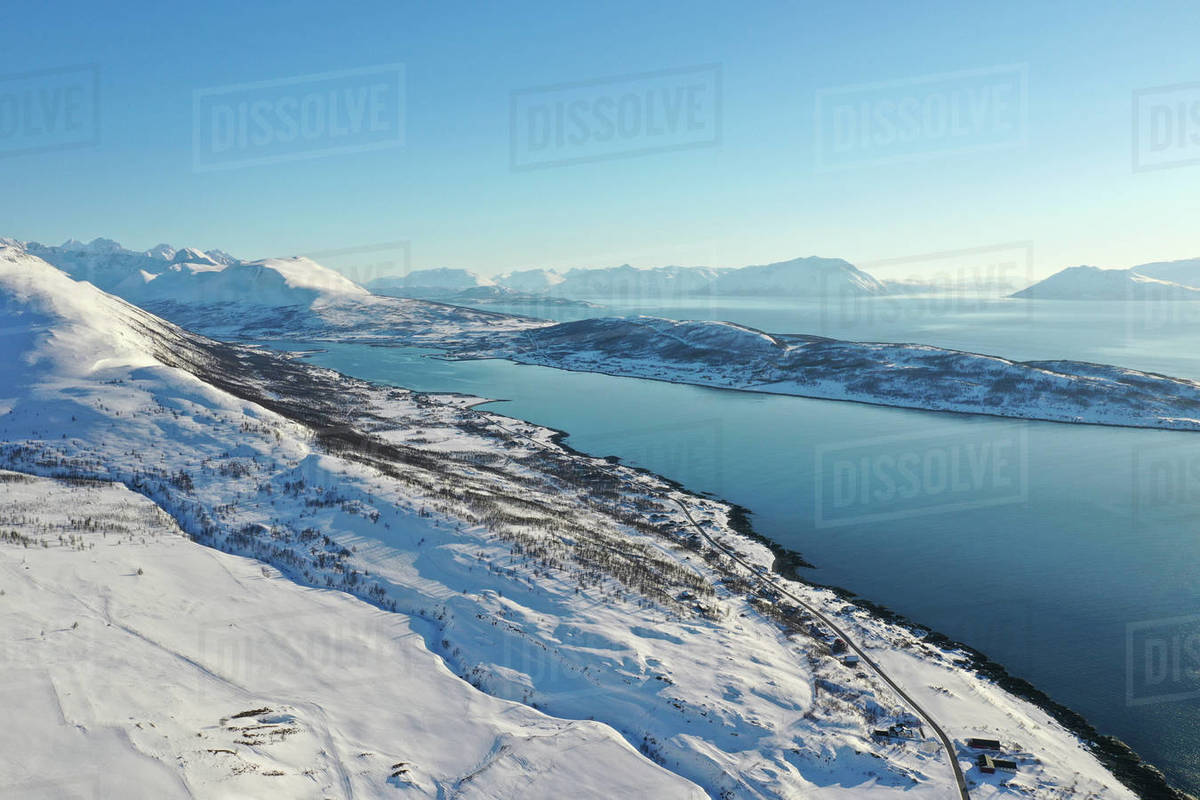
1070,554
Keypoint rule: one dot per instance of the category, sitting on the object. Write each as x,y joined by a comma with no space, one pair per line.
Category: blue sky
763,190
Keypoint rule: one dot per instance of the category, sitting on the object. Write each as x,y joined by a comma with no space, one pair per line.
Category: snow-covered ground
543,581
142,664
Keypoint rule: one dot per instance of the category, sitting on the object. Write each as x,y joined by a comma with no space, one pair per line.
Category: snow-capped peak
221,257
190,255
96,246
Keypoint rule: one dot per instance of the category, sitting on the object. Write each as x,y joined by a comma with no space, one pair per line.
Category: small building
838,646
897,731
850,660
989,765
983,744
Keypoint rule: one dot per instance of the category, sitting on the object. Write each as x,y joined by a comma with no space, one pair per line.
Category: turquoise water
1067,553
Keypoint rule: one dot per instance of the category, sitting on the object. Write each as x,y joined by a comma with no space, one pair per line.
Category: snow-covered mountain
1185,271
631,283
271,282
530,280
193,277
541,623
431,283
1095,283
188,277
800,277
229,717
190,255
106,264
277,298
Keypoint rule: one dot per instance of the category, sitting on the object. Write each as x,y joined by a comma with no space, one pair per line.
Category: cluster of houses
900,731
839,648
986,761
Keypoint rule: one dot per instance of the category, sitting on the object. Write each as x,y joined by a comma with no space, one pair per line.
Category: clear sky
771,184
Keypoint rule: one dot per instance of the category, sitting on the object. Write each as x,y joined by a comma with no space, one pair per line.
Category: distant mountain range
191,276
799,277
187,274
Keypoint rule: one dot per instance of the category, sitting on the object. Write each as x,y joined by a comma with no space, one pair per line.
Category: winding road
947,744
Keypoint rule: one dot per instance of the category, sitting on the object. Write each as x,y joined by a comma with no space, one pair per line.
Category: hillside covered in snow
447,602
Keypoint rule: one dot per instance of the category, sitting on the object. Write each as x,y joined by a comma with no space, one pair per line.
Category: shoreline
1133,771
1125,764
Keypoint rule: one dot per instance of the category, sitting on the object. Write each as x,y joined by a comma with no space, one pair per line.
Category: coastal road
946,742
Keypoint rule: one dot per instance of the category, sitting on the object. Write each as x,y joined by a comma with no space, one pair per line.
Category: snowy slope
152,666
1094,283
538,576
